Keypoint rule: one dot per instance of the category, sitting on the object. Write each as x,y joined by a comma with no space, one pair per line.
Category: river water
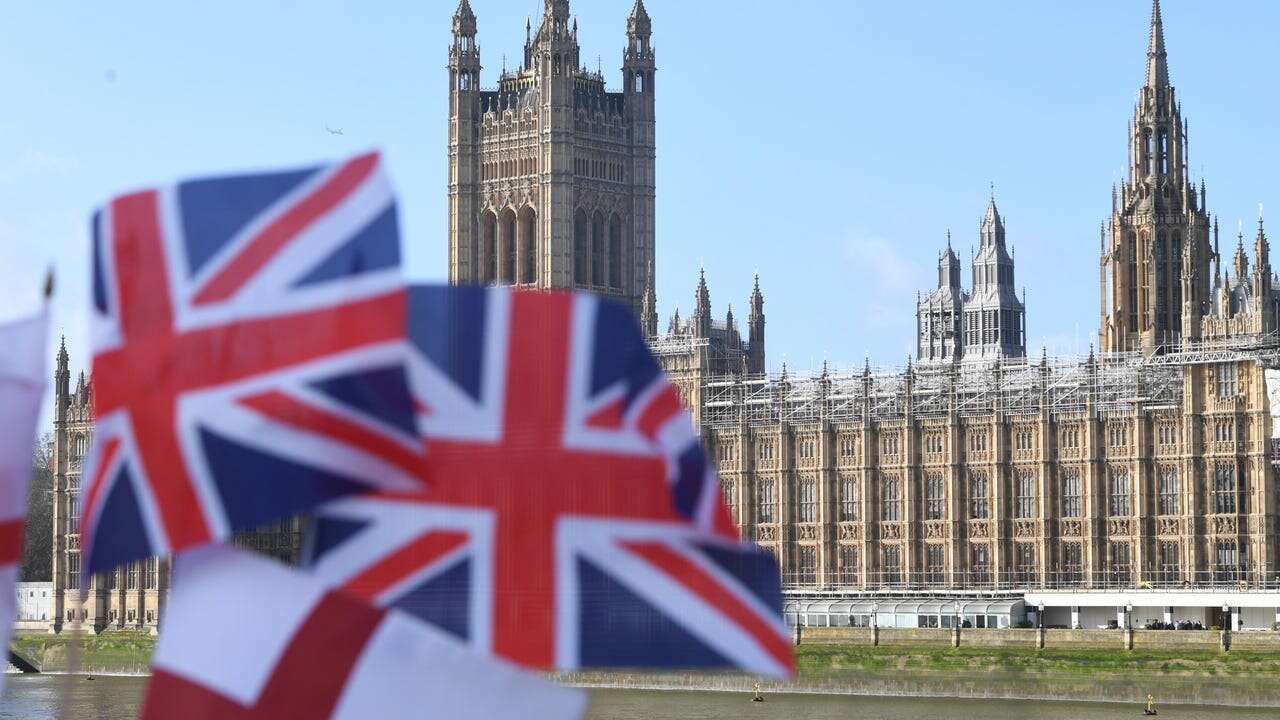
38,697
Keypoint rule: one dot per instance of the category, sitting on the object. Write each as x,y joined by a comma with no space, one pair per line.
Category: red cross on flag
246,638
22,382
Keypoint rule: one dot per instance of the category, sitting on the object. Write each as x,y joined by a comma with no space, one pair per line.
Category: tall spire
464,20
703,296
702,308
992,225
649,306
755,330
1157,59
638,21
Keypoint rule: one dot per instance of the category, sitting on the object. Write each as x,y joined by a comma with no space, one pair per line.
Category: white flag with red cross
22,385
246,638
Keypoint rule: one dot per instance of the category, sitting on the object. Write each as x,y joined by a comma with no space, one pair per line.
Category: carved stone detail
850,531
1225,525
1071,528
808,532
936,530
1119,526
767,533
1024,528
979,529
891,531
1168,526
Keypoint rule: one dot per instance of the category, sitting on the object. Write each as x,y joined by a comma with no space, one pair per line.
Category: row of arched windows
515,167
600,169
507,251
597,250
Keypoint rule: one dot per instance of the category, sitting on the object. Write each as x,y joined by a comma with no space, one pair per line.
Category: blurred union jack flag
573,518
249,356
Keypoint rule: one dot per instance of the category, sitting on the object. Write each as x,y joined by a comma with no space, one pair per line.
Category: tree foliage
37,545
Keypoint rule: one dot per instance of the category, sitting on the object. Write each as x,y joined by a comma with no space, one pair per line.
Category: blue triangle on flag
755,568
443,601
257,488
620,629
376,247
99,285
621,353
216,210
120,535
448,327
326,533
381,394
691,477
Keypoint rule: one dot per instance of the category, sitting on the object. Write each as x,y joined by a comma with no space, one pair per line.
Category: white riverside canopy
903,612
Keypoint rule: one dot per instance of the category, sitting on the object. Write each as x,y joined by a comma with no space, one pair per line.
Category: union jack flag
573,519
249,357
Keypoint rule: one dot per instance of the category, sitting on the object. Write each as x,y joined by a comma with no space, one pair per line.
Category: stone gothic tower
987,323
551,176
994,317
1155,249
939,316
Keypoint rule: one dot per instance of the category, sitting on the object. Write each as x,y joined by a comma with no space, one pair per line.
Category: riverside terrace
941,481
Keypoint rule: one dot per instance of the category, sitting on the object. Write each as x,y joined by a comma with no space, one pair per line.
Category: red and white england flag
246,638
22,384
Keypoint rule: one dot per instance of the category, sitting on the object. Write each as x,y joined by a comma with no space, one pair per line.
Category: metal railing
1232,580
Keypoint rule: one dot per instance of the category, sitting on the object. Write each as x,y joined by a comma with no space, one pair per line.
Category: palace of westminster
1147,464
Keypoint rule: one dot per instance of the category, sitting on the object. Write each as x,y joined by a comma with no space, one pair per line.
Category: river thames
39,697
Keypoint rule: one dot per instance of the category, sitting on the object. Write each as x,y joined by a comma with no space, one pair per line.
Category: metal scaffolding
1120,382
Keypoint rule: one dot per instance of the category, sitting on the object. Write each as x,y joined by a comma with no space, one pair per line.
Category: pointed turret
1241,261
61,381
638,22
1261,264
1157,59
755,330
464,21
649,306
555,36
948,267
702,308
731,336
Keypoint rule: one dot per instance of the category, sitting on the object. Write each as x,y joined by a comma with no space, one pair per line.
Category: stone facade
1129,468
551,176
1100,472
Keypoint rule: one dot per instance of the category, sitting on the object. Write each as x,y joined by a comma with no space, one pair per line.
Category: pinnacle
1157,58
993,213
638,11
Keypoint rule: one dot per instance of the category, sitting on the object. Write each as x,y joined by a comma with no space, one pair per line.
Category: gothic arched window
597,250
615,252
507,273
488,247
580,250
529,245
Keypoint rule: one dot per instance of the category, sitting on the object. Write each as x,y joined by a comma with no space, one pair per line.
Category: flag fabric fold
247,638
22,385
574,519
249,359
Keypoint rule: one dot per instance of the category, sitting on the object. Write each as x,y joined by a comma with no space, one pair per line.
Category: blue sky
827,145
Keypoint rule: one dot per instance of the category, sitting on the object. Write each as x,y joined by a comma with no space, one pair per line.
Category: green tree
37,546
